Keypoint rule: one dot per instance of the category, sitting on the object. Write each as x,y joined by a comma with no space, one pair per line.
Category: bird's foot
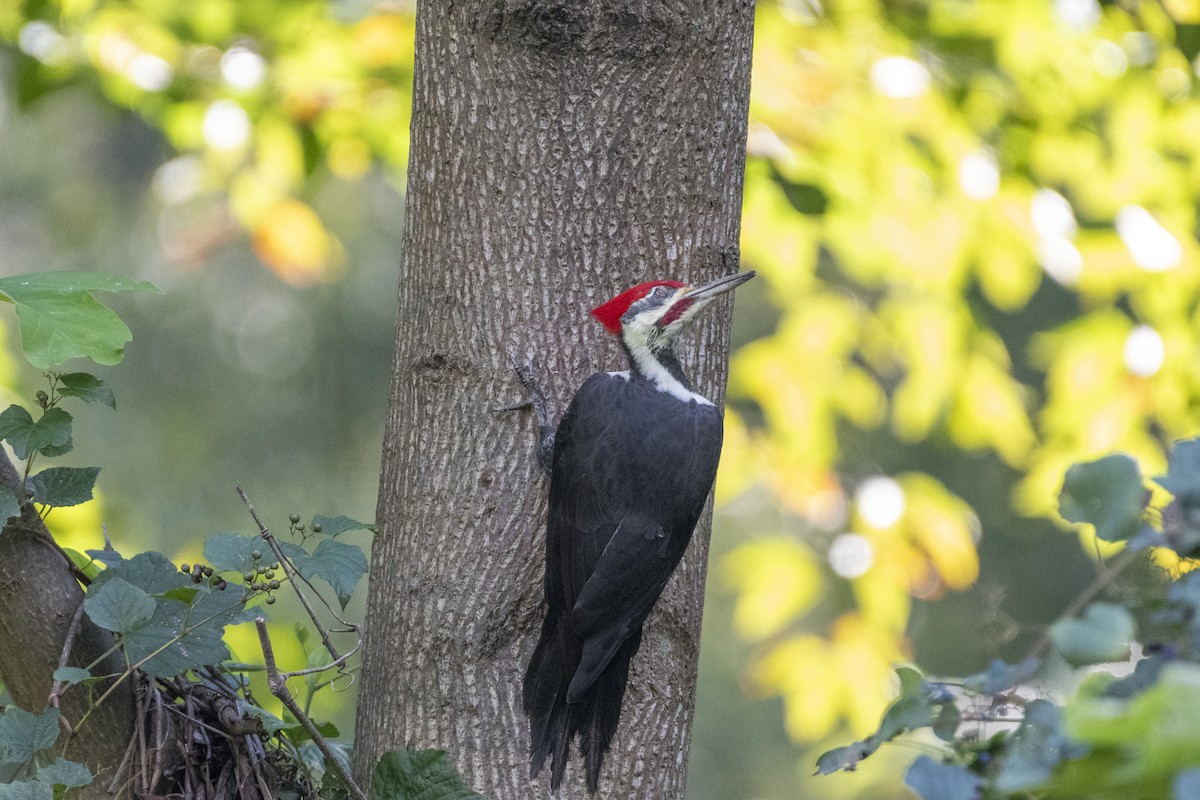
535,400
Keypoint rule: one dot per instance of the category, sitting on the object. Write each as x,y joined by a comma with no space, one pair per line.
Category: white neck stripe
657,374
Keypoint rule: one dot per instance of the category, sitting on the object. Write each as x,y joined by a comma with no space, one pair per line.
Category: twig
269,538
57,687
278,686
1101,581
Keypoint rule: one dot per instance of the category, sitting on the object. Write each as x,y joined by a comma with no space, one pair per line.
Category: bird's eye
659,291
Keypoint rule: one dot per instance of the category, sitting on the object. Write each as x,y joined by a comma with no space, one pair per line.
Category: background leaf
86,387
424,774
1108,494
1101,635
63,486
934,781
60,320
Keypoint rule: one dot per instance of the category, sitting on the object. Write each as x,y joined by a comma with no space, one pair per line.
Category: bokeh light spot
851,555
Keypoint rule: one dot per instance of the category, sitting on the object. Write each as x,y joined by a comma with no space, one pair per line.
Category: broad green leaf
341,564
60,320
934,781
25,436
298,733
22,734
235,552
1108,494
1101,635
63,486
9,507
200,646
152,572
424,774
86,387
119,606
26,790
107,557
70,774
71,675
335,526
1000,676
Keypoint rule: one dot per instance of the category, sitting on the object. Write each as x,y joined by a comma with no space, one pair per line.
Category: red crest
611,312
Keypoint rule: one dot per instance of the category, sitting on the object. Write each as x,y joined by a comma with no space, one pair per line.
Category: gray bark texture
39,597
562,151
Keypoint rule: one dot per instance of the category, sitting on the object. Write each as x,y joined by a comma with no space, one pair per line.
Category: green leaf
119,606
1183,472
1034,749
298,733
420,775
70,774
152,572
200,646
234,552
63,486
26,790
1107,494
341,564
26,436
1101,635
934,781
71,675
9,507
23,734
846,757
60,320
86,387
335,526
1000,676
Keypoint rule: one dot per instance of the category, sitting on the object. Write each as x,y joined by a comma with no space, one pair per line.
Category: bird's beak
719,286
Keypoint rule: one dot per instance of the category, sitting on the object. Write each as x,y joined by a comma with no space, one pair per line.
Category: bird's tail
545,699
597,712
593,717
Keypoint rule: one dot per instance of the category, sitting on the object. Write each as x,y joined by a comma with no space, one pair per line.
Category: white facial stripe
637,339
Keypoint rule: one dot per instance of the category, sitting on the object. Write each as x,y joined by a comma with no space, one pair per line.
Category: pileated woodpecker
631,466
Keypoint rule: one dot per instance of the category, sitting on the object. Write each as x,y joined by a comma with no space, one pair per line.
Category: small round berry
295,518
274,584
270,599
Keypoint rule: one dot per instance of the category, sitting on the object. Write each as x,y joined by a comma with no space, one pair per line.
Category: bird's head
652,314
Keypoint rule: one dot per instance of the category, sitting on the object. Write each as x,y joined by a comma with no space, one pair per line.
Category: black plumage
632,466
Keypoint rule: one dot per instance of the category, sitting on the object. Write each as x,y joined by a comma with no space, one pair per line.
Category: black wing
631,473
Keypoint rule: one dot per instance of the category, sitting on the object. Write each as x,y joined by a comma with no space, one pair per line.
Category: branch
278,685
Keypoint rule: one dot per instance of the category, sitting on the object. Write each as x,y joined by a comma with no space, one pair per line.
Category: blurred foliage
978,222
255,97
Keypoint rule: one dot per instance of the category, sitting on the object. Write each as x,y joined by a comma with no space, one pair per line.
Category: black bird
631,465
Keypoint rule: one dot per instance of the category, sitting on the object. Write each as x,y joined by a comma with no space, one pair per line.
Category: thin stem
292,574
1101,581
278,686
57,687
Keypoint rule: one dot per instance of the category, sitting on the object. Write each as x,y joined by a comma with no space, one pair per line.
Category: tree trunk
561,151
39,598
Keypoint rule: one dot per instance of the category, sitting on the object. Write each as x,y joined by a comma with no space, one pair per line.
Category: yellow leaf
776,580
290,239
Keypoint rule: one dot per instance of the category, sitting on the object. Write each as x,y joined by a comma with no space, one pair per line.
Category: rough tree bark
561,151
39,598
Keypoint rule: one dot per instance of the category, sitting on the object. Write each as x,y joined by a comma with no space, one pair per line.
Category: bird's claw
535,400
